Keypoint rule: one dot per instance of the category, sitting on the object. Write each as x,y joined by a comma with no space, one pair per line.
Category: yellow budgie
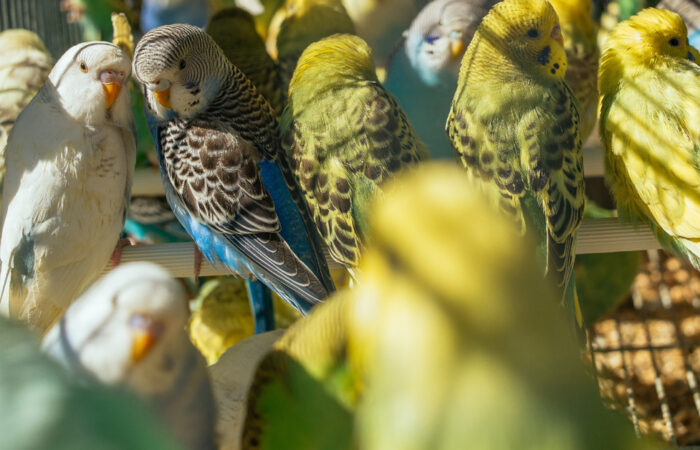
24,66
650,127
222,316
580,42
449,341
514,124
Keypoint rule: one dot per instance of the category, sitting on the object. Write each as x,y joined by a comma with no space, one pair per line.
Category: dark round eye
83,67
674,42
533,33
182,64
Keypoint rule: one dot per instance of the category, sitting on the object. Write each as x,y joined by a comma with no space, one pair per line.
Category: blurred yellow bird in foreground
650,127
450,339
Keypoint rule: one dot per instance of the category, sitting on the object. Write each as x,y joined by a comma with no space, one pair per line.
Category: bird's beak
163,97
556,34
456,48
112,84
145,334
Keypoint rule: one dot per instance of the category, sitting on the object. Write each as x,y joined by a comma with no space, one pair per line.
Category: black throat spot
543,56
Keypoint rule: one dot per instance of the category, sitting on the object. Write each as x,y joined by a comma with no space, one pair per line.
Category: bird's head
332,60
90,82
649,38
438,38
17,39
527,33
128,328
649,34
181,68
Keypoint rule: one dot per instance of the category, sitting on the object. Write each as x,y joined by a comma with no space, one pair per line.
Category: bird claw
252,278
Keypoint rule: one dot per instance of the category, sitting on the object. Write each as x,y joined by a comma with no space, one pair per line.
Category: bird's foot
252,277
197,263
116,257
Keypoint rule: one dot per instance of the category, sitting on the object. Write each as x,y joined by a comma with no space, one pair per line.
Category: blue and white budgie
689,10
224,174
155,13
423,75
70,161
128,330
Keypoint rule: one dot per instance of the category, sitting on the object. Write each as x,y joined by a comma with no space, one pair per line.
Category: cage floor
647,352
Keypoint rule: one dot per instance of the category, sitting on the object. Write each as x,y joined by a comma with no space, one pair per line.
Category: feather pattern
216,159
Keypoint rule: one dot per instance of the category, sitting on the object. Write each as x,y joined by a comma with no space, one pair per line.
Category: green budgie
43,408
345,135
303,22
515,124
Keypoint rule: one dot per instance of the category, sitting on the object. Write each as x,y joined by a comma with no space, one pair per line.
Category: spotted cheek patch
557,67
543,56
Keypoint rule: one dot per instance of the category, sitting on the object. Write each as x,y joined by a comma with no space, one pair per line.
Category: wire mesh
646,354
45,18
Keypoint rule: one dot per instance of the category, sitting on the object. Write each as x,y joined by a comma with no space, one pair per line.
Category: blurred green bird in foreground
449,340
345,135
42,407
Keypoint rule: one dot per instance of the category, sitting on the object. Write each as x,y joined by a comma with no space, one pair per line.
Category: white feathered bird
128,329
70,161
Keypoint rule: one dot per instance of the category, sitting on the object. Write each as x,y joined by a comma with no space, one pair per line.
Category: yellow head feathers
648,38
576,17
527,33
340,55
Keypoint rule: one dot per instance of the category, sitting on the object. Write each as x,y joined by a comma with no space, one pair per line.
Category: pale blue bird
224,175
155,13
423,73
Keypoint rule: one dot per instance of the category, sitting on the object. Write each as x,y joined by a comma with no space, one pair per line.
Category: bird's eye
83,67
431,39
182,64
674,42
533,33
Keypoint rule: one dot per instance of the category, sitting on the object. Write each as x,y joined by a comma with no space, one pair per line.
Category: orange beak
111,93
141,344
145,332
456,48
556,34
163,97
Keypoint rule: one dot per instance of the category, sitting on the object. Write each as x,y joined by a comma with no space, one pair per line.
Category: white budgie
128,330
70,161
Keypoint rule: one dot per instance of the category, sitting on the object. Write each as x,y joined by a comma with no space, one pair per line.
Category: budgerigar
650,127
223,170
423,74
345,135
304,22
233,29
70,162
128,330
514,123
689,11
580,42
450,335
155,13
381,22
24,66
43,407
